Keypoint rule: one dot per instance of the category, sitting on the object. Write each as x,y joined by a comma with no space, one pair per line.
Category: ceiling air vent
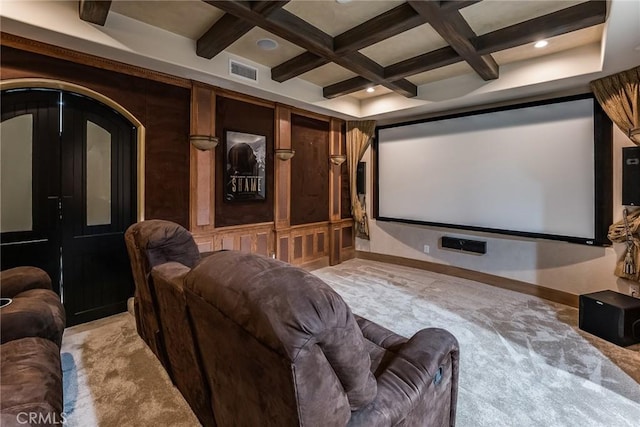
243,71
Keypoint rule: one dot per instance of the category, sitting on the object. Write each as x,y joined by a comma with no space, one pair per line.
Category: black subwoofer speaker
612,316
631,176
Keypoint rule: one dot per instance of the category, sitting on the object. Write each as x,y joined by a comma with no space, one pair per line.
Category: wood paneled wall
241,116
183,184
302,221
162,108
309,170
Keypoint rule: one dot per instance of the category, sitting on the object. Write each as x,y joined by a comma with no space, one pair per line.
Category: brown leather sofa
32,324
249,341
160,306
280,348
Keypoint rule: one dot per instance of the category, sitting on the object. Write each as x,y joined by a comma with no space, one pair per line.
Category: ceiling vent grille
243,71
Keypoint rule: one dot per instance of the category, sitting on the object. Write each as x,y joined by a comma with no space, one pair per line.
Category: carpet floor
523,361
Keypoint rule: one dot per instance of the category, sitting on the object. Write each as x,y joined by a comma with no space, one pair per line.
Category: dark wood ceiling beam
345,87
267,6
456,31
295,66
294,29
574,18
393,22
283,24
456,4
421,63
229,28
418,64
221,35
94,11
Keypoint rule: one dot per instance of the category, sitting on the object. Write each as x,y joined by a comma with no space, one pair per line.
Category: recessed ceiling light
637,48
267,44
370,90
540,44
343,1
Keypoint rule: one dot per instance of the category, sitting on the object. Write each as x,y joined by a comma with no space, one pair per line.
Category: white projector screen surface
528,170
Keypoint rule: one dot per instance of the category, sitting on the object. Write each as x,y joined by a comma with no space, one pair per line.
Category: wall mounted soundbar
464,245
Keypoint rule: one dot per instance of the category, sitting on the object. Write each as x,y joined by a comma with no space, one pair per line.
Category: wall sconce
337,159
204,142
285,153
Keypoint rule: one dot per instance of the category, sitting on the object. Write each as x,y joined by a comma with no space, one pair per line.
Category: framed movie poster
244,175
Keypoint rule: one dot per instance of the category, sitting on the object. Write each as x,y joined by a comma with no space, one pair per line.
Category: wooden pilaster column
335,149
282,169
202,163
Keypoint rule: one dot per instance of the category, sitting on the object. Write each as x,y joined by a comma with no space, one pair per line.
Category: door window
98,184
16,154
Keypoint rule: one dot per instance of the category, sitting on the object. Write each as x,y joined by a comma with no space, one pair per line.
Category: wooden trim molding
46,49
500,282
72,87
225,93
310,114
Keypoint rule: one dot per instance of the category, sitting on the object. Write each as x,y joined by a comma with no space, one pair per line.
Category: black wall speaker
361,178
612,316
465,245
631,176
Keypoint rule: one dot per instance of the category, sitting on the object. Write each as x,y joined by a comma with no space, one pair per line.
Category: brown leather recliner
32,324
280,348
160,306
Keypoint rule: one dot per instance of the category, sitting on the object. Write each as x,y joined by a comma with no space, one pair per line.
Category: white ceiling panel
406,45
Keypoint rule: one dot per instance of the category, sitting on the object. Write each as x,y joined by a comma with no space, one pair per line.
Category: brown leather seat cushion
33,313
30,381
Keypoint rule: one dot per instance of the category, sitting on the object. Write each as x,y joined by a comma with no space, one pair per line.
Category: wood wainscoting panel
262,244
297,248
246,243
283,248
309,246
320,247
228,243
342,241
347,237
335,246
254,238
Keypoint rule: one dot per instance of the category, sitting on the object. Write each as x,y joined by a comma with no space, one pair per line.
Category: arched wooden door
68,194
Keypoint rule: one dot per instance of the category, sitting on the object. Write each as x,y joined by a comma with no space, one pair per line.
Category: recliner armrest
409,375
171,273
19,279
379,335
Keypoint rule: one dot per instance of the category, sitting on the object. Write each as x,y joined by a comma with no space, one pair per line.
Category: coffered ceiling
398,48
346,47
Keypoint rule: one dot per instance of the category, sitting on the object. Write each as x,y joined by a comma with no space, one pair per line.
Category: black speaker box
465,245
361,178
612,316
631,176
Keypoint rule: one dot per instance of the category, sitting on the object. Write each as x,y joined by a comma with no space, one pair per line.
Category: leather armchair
280,348
160,306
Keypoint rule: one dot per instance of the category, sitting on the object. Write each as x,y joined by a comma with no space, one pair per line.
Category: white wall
567,267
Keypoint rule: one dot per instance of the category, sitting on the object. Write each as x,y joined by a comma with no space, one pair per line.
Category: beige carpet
112,379
524,362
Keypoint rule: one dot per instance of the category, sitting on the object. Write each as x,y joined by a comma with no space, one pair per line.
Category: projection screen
527,171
